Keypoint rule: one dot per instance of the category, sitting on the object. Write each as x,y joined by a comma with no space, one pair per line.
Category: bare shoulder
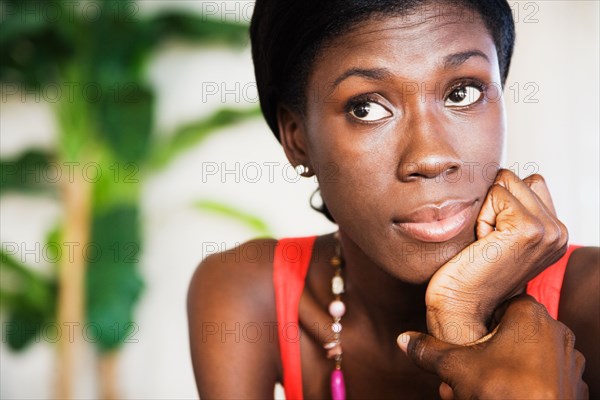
232,323
581,286
580,308
244,269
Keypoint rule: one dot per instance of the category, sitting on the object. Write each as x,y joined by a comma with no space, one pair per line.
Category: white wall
558,54
558,57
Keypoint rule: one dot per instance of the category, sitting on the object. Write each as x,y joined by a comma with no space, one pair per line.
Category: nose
428,152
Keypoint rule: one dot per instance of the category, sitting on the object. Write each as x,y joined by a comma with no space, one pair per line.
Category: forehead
410,45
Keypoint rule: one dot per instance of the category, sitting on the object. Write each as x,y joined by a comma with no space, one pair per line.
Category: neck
391,305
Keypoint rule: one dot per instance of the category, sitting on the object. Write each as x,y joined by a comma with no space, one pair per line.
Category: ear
293,137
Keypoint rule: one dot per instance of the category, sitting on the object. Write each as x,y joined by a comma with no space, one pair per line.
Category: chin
417,272
418,262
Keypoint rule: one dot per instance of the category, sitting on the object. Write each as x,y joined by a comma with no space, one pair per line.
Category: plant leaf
31,45
22,327
32,289
113,281
126,122
251,221
30,302
30,172
197,28
192,134
119,184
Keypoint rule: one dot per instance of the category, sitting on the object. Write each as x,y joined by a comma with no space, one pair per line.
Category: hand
528,355
518,236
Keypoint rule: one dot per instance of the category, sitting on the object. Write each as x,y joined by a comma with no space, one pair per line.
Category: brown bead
335,261
334,352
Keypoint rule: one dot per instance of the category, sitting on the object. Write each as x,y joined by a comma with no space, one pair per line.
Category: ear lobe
292,136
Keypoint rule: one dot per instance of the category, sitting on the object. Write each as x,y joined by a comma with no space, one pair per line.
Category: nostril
452,169
451,174
429,169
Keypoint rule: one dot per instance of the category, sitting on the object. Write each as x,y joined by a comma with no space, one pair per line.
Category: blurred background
131,147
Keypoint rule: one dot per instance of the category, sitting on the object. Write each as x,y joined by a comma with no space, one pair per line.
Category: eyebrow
368,73
457,59
450,61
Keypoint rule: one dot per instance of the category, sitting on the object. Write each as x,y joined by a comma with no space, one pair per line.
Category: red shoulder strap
546,286
290,264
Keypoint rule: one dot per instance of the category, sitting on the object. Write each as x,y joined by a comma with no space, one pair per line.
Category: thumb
428,352
496,211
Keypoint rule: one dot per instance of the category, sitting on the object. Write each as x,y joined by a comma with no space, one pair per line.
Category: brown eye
458,95
464,96
369,111
361,110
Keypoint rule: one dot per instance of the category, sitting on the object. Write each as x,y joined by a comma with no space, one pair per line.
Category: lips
436,223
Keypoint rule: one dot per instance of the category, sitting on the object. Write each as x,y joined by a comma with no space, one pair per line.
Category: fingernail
403,340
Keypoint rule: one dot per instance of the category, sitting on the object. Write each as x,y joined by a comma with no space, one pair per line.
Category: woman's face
404,127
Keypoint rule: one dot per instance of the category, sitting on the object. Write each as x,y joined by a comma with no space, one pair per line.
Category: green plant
104,113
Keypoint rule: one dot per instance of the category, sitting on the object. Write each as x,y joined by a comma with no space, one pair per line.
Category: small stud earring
302,169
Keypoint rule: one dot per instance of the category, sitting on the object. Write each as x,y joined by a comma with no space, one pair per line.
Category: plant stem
108,375
71,278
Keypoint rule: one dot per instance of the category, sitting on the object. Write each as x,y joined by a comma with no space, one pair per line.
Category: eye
464,96
369,111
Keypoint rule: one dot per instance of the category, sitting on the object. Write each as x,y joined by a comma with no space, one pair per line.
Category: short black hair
286,35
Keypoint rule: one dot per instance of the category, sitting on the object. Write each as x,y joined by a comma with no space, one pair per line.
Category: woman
396,108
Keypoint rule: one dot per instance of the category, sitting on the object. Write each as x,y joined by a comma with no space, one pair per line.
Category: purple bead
338,387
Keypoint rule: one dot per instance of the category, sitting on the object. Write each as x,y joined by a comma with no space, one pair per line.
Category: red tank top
290,264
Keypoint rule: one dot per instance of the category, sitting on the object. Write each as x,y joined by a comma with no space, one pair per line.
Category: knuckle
557,234
417,348
553,236
533,231
569,337
506,175
580,361
564,234
554,242
496,191
584,390
539,312
530,309
541,390
536,180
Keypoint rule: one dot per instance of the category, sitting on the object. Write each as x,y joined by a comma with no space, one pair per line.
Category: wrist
457,323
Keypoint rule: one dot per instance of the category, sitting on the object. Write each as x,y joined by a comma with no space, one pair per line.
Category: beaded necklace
337,309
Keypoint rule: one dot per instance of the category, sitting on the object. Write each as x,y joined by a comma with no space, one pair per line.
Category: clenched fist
518,236
528,355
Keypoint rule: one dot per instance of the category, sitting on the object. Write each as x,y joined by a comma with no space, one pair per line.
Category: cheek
357,173
349,182
358,169
483,148
349,167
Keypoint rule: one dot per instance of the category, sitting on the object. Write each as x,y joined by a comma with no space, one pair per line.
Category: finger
500,211
484,339
579,361
428,353
503,211
533,190
446,392
518,217
460,278
583,391
557,229
523,310
538,185
518,188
